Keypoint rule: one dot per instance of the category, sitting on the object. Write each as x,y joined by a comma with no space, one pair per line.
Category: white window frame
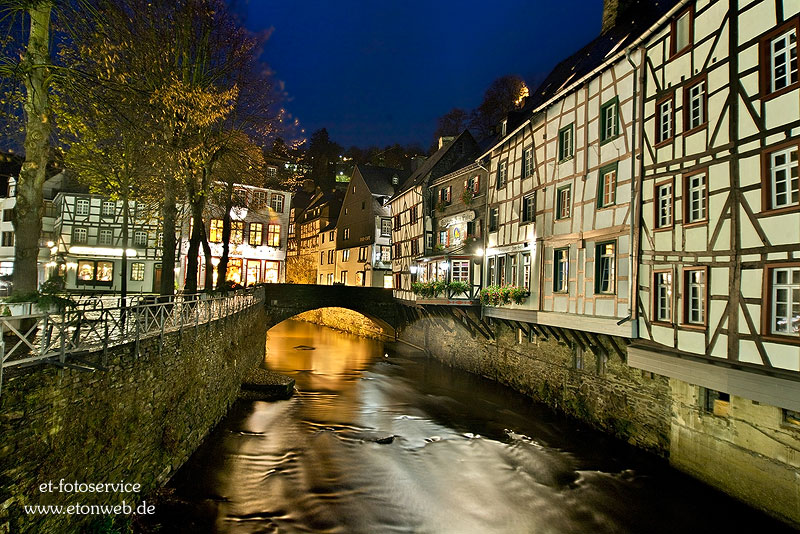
80,235
785,59
790,194
783,308
662,296
696,105
140,238
82,207
696,287
561,270
665,120
460,271
527,158
137,271
605,271
105,236
664,205
108,208
696,208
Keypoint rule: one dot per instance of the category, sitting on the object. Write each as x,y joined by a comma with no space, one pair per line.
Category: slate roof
379,179
420,174
632,24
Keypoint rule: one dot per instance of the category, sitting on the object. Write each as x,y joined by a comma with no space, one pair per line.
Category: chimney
444,140
614,11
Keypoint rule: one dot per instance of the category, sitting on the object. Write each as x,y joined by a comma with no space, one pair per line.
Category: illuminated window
137,271
215,233
274,235
346,254
346,233
460,271
386,227
255,235
95,273
362,254
343,277
237,232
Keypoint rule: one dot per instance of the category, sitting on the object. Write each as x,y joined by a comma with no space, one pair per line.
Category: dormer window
395,180
681,32
504,127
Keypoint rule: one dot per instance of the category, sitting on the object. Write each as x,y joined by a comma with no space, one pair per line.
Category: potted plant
458,287
467,195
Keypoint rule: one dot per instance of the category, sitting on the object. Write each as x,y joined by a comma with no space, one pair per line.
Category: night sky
382,72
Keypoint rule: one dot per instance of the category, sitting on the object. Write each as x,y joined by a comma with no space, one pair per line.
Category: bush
467,195
458,287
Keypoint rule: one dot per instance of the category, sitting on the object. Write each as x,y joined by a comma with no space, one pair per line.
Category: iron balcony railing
95,325
450,295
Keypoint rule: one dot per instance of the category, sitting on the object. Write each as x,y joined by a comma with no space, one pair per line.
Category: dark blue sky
381,72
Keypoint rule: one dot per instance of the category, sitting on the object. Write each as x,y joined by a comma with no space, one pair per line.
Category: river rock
262,384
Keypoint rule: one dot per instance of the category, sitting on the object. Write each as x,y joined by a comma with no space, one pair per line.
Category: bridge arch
284,301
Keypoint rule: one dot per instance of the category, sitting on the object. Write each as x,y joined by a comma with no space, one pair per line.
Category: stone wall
606,393
345,320
138,421
749,452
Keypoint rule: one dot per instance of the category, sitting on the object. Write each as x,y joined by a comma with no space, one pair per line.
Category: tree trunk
222,270
169,210
30,206
125,222
208,283
197,200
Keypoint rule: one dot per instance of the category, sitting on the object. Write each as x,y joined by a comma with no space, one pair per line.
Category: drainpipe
637,172
484,234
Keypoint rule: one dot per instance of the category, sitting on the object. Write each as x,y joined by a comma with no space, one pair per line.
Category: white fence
95,325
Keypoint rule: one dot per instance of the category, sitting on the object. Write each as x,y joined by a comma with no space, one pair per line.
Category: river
380,439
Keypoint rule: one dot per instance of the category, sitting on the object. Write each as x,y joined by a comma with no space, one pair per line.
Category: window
140,238
694,296
460,271
501,270
79,235
565,148
474,184
346,233
8,239
783,188
528,208
105,237
323,238
346,211
527,162
8,215
502,174
331,257
274,235
662,296
322,258
681,32
526,270
513,269
240,197
696,199
82,207
605,261
664,119
491,272
607,186
386,227
779,60
255,236
609,120
494,219
694,110
276,202
160,240
445,196
386,254
414,247
561,270
359,278
237,232
395,179
563,201
784,295
398,250
215,234
443,239
108,208
346,254
137,271
95,273
362,254
664,205
397,221
272,172
343,277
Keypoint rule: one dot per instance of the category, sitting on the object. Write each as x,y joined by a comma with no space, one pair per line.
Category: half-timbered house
719,282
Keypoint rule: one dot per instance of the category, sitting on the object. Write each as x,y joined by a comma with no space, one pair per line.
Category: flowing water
379,439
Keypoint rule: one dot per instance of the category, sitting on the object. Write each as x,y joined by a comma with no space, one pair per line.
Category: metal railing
473,293
95,325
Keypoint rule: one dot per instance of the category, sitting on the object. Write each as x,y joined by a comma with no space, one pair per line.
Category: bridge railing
96,325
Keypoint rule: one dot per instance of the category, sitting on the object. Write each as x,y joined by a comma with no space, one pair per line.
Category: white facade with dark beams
719,283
